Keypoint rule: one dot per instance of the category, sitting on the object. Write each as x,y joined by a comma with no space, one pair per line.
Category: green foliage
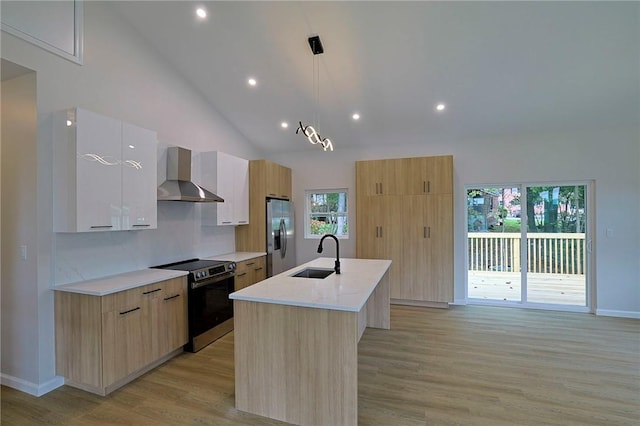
319,227
511,225
551,208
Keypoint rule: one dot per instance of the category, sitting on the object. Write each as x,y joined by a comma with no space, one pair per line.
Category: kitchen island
296,340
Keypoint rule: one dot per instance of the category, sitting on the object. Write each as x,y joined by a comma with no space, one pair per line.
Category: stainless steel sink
320,273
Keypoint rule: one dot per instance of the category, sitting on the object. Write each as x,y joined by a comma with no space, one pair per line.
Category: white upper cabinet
228,177
104,174
98,177
139,178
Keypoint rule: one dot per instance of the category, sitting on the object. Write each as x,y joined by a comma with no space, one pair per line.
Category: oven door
210,307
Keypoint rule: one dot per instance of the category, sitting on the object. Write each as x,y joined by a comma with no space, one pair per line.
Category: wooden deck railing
546,253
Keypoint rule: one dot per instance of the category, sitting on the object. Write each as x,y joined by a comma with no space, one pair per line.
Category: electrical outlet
609,232
23,252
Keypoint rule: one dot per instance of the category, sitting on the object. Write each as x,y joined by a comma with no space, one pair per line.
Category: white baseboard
29,387
614,313
459,302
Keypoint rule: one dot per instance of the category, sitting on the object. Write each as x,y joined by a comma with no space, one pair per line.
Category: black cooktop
191,265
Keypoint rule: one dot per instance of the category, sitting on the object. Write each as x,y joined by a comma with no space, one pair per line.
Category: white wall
609,156
19,277
125,79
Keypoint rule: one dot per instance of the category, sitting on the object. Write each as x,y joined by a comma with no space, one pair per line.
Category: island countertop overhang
348,291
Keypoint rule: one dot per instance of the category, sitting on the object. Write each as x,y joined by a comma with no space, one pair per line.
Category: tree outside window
326,213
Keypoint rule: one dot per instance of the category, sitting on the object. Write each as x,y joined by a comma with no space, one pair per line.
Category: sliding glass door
556,244
528,245
493,223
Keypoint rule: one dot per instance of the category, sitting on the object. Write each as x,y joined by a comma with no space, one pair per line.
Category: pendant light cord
316,90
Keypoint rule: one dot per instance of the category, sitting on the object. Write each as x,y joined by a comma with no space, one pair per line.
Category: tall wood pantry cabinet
404,210
266,179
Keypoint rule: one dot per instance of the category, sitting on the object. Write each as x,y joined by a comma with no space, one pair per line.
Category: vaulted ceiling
501,68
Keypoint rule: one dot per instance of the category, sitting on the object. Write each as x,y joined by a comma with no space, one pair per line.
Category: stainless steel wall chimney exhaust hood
178,186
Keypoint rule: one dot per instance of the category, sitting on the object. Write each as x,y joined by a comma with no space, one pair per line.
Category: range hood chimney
178,186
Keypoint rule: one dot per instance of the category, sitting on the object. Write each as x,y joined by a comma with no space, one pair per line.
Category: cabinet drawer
130,299
173,287
244,274
250,271
259,269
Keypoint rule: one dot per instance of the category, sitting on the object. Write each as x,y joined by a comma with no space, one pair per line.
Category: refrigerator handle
283,239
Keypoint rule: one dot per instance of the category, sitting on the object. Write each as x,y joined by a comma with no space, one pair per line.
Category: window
326,213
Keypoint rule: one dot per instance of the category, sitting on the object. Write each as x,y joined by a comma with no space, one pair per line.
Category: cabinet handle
172,297
252,263
100,226
284,196
141,226
257,269
428,232
424,186
381,232
428,186
241,275
377,231
242,221
151,291
380,188
225,222
130,310
424,232
272,194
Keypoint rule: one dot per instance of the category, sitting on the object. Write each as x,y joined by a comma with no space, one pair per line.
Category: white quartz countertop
120,282
238,256
348,291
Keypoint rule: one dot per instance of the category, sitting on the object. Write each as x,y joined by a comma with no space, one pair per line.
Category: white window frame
308,213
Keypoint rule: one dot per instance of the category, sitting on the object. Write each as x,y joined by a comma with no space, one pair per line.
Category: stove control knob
232,266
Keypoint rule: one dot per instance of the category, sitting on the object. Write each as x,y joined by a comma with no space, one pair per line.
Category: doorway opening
529,245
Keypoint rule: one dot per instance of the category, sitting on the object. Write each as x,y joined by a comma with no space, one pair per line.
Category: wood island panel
377,307
296,364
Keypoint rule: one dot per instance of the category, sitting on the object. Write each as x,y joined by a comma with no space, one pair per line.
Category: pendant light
309,131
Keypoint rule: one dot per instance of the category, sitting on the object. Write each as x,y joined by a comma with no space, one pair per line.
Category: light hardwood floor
561,289
472,365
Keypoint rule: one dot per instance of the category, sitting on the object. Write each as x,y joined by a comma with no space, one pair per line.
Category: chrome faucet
337,267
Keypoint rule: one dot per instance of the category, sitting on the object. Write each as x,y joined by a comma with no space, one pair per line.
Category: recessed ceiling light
284,124
201,12
252,81
356,116
440,107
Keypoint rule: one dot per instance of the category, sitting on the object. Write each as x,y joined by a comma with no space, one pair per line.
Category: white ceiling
502,68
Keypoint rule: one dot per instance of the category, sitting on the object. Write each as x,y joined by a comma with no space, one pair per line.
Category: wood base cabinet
104,342
250,271
405,213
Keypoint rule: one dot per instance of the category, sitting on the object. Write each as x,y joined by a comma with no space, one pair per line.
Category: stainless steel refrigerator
281,250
